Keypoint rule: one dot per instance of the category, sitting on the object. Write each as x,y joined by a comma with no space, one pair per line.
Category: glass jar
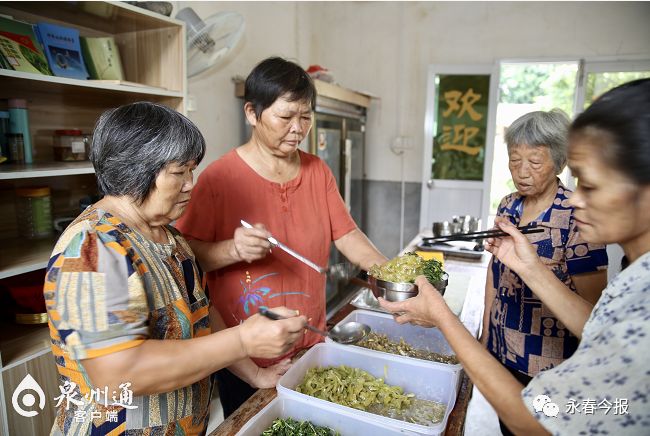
15,148
70,145
34,212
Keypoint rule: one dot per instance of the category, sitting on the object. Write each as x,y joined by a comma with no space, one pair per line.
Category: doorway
526,87
571,86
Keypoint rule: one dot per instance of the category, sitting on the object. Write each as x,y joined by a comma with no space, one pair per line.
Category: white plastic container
430,339
347,424
414,376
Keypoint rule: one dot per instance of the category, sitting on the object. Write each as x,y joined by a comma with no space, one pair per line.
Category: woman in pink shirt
288,193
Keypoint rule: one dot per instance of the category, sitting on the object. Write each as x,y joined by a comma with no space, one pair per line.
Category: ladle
348,333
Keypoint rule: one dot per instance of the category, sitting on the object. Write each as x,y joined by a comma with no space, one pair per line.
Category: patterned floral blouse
108,289
523,333
604,388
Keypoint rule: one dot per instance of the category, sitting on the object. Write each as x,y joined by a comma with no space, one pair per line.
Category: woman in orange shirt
289,194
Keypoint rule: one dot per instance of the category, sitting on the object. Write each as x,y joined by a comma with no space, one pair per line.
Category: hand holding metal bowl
393,291
405,268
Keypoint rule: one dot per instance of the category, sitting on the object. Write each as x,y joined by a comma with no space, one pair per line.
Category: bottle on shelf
34,212
4,129
19,123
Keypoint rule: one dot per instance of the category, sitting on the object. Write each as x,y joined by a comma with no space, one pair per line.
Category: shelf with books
151,46
54,84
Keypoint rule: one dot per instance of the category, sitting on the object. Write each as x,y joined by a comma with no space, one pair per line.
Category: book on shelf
20,48
63,50
4,64
102,58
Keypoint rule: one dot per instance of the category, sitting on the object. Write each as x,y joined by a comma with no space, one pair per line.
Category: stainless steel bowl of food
393,291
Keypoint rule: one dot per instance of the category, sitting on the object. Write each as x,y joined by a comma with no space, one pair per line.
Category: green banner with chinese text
461,108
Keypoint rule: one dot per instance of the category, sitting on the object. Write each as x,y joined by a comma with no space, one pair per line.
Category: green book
3,62
102,58
20,47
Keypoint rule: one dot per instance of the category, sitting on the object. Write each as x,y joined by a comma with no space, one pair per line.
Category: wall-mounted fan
209,41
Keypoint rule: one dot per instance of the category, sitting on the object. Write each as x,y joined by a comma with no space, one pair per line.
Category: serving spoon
348,333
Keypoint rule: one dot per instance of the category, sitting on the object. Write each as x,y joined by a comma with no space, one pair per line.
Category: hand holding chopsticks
515,251
482,235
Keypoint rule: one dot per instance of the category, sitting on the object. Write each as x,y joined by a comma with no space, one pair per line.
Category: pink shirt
306,214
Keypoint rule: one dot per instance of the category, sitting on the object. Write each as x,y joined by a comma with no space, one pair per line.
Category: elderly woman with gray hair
130,322
518,329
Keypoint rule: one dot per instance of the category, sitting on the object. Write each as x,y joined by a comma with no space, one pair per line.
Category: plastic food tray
430,339
347,424
414,376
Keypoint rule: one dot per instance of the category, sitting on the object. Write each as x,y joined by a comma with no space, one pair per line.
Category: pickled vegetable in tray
291,427
379,342
357,388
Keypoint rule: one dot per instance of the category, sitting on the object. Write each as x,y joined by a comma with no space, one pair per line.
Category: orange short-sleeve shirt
306,213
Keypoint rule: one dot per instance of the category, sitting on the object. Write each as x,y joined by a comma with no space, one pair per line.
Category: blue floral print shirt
604,388
523,333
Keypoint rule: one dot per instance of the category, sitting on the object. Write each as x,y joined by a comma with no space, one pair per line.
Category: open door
459,142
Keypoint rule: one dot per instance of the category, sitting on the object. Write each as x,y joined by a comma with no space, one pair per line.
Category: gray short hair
542,129
133,143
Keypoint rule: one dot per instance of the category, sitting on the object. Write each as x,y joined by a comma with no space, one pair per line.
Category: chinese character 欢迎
459,138
468,99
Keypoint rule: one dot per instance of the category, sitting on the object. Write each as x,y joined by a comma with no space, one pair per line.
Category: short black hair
623,115
133,143
275,77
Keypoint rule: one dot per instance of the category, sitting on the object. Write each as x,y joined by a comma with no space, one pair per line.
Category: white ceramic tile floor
481,418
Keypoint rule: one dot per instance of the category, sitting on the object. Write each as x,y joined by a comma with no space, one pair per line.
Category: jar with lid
4,129
70,145
34,212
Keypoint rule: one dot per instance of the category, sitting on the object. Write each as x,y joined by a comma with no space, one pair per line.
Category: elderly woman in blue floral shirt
518,329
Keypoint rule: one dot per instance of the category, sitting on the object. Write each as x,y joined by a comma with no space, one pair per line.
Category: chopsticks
482,235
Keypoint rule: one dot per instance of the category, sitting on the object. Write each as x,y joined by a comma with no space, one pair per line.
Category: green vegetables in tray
352,387
405,268
291,427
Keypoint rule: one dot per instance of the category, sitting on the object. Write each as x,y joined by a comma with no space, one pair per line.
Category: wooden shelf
110,17
19,255
19,343
325,89
41,82
44,169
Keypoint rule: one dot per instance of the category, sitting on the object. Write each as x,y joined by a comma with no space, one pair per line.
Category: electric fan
209,41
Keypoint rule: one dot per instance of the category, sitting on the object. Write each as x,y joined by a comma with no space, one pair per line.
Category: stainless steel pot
393,291
445,228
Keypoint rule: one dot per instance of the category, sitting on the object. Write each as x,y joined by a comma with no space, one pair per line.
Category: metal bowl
393,291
